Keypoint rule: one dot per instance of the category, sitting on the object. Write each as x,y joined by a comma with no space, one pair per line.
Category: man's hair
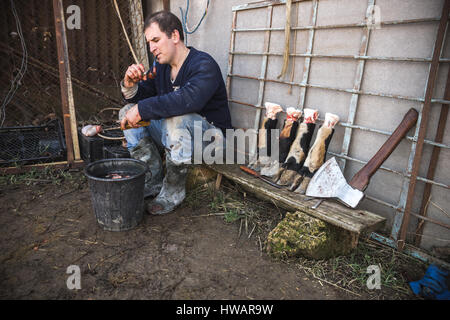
167,22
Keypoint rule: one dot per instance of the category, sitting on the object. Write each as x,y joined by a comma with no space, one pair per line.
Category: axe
329,182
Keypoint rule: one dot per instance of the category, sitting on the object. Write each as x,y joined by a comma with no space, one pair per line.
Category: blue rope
184,19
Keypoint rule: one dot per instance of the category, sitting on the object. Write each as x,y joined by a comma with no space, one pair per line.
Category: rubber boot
147,152
173,190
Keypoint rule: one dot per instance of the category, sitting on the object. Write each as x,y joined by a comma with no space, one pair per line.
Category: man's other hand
132,117
134,74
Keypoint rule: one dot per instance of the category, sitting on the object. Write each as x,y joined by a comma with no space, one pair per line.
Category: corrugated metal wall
390,84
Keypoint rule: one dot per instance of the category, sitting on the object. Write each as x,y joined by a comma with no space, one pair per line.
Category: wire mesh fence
98,54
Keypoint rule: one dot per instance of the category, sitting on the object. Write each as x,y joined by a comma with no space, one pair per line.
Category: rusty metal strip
422,124
410,250
230,55
342,26
433,161
376,94
307,64
262,4
420,217
262,82
356,87
295,49
245,104
343,56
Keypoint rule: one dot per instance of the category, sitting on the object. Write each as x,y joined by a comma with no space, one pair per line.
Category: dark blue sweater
199,89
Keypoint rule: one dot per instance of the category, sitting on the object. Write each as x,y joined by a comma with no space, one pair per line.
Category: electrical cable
23,67
184,19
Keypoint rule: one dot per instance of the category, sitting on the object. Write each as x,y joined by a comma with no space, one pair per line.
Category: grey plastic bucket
118,203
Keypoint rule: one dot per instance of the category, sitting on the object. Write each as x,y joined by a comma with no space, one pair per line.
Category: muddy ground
47,224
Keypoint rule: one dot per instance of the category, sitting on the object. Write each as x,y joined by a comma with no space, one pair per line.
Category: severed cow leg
317,153
265,135
299,148
287,137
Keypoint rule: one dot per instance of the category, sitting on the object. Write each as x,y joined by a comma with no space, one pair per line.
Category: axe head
329,182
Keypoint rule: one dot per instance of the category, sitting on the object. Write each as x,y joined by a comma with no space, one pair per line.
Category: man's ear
175,36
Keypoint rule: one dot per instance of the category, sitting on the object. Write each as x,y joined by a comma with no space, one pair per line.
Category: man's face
161,46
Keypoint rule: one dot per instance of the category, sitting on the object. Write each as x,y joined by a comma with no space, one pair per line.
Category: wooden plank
65,82
353,220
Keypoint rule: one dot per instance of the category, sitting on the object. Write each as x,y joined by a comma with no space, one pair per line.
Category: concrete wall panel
338,42
279,93
245,90
256,18
249,42
382,113
241,115
366,144
274,67
335,73
333,12
409,9
247,65
328,101
395,41
395,78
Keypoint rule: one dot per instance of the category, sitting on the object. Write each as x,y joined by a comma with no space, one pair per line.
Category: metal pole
230,55
422,124
356,87
307,65
65,80
254,149
433,161
375,94
336,26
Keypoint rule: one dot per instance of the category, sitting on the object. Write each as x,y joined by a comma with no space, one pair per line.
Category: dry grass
257,218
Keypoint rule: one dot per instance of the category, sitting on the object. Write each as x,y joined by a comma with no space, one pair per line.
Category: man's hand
134,74
132,117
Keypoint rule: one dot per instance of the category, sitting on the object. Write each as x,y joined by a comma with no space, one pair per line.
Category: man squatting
187,91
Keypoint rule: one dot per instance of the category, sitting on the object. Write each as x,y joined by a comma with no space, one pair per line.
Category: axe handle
361,179
250,171
256,174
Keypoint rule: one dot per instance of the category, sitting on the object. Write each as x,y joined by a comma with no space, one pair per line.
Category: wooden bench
356,221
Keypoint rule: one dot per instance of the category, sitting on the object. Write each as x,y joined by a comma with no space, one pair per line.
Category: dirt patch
196,252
